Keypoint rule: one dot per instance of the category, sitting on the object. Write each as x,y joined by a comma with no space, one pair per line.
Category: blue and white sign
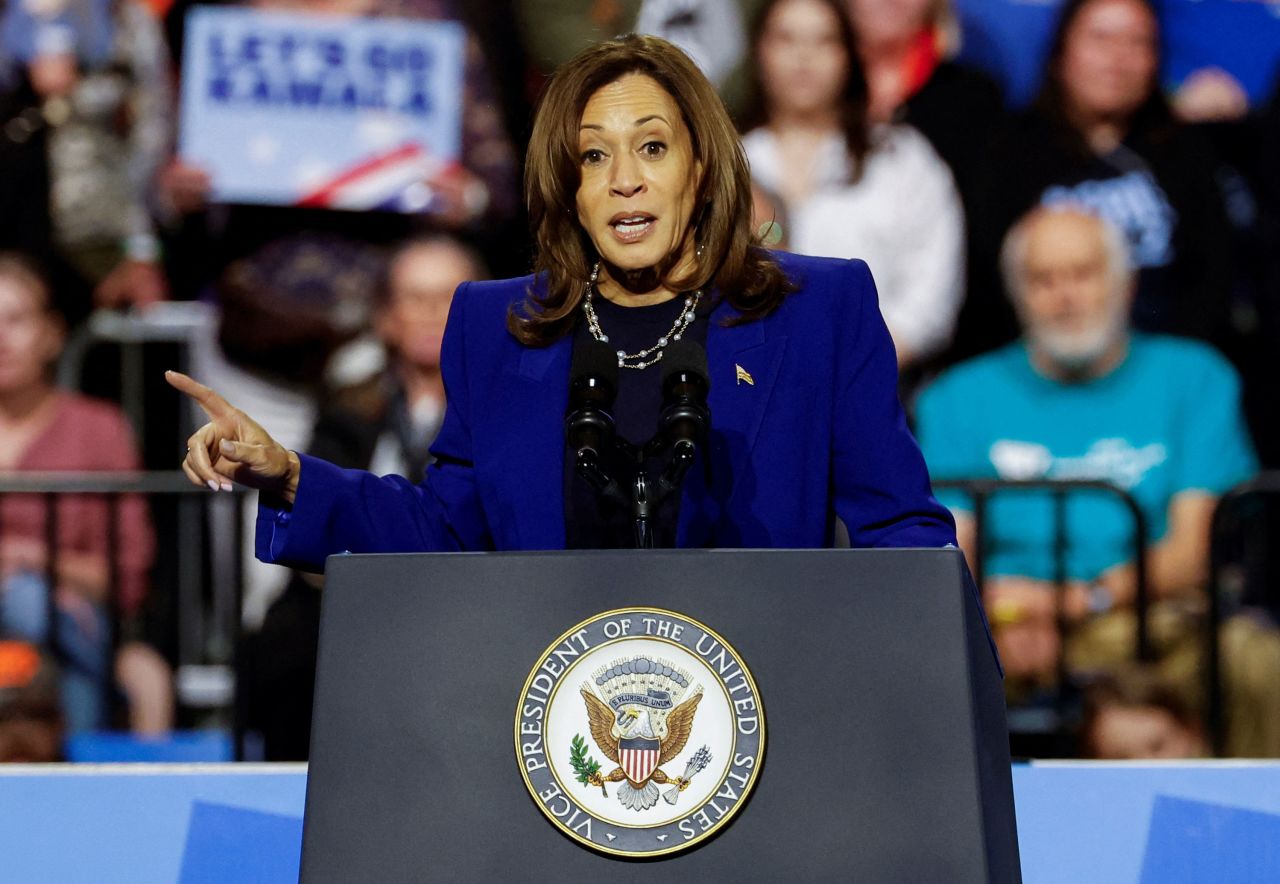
321,111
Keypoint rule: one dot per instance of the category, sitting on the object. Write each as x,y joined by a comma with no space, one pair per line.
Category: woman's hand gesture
233,447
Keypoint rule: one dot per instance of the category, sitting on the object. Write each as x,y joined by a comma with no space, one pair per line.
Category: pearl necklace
651,355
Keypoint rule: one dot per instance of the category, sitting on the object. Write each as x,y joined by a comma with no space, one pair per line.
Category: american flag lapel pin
744,376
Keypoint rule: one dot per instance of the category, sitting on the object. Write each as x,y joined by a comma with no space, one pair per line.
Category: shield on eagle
639,758
641,720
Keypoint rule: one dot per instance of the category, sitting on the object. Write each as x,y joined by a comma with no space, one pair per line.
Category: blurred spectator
99,82
46,429
907,48
30,714
1220,56
852,189
1083,397
1101,135
385,424
1134,714
711,31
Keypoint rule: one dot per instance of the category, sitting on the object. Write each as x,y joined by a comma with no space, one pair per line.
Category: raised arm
311,509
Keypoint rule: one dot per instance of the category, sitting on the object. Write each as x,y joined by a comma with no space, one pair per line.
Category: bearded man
1082,396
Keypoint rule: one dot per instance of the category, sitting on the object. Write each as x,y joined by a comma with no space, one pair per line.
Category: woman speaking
640,199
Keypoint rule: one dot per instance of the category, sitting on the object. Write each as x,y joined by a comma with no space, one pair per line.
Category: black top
591,522
959,110
1159,185
352,422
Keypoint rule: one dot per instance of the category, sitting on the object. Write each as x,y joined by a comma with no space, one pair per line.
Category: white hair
1013,253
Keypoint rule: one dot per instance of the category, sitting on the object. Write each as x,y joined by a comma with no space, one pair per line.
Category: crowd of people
1071,211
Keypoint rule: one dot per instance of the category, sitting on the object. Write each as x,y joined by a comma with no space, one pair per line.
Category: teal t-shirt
1166,420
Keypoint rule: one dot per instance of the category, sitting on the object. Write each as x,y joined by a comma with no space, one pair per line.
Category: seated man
386,424
1080,396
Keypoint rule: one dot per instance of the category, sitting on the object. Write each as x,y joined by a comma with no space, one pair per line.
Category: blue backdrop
1147,823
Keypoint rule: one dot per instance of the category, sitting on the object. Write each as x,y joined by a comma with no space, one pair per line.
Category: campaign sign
319,110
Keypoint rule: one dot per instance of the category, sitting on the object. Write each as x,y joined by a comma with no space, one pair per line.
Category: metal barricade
208,536
172,322
980,492
1254,531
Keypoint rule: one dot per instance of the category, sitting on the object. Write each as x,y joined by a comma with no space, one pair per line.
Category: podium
886,756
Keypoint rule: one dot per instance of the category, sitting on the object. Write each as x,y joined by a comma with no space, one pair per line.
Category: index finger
213,404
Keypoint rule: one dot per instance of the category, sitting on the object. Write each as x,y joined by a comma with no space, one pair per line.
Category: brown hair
730,254
382,284
25,272
1135,686
1152,119
853,98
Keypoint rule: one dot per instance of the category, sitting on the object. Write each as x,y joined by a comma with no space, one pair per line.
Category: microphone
685,418
593,385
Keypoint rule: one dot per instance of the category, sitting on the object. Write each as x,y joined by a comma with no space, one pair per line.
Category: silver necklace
651,355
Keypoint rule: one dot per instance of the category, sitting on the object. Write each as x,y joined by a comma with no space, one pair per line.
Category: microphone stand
644,501
683,425
642,509
587,464
682,455
646,495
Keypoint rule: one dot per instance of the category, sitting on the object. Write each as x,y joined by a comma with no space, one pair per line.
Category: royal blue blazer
805,425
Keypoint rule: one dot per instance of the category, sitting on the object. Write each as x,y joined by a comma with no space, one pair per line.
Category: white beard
1074,352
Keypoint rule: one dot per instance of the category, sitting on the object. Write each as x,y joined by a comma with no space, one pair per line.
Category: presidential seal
639,732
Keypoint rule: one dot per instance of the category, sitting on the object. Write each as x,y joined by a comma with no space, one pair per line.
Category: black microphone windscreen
684,355
592,358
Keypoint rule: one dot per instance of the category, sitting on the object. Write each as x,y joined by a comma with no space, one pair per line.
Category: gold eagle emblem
608,730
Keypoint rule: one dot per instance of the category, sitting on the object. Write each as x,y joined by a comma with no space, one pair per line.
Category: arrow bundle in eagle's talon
700,759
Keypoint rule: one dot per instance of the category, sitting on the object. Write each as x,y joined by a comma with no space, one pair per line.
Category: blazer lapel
534,395
743,362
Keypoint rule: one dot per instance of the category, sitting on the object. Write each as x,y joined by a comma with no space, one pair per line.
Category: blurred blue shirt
1165,421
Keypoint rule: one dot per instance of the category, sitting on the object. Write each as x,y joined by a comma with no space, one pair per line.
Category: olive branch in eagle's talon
586,768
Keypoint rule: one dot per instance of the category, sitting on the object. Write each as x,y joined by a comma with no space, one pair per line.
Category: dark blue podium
887,755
